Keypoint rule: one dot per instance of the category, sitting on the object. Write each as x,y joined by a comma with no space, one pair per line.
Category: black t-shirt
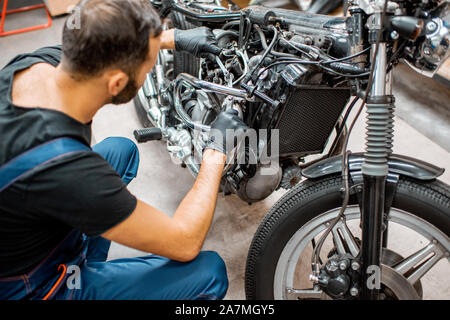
81,191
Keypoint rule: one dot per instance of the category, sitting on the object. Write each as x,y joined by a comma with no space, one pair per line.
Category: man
57,218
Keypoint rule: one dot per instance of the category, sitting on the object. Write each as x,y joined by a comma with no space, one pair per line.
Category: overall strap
33,158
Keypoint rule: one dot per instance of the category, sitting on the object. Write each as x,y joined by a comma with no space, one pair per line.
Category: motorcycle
298,76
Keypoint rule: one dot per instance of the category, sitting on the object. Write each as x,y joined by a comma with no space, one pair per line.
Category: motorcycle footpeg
147,134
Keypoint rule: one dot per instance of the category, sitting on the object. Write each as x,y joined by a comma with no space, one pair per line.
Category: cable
244,60
364,74
298,49
264,43
286,62
230,24
319,63
348,57
266,52
341,129
227,33
396,55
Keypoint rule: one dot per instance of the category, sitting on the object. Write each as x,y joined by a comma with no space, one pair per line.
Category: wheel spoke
343,238
349,239
420,271
300,294
338,241
414,268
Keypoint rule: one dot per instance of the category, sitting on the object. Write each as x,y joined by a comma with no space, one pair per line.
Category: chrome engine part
434,48
179,144
260,185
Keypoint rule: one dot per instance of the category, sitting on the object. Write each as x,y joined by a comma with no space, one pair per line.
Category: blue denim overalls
44,280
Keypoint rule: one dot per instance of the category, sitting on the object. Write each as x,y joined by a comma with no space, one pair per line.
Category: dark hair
111,33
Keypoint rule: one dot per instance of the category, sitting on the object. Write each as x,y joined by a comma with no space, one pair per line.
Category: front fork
379,138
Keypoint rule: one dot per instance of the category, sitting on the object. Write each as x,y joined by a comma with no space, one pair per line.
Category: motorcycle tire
182,62
429,201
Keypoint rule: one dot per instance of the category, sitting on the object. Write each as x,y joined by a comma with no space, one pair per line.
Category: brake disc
396,286
391,258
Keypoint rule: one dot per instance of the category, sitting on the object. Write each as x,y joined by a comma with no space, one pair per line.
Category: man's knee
122,154
124,146
214,274
131,153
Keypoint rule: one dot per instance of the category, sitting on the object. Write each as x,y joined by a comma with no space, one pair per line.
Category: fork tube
389,94
375,170
379,79
372,218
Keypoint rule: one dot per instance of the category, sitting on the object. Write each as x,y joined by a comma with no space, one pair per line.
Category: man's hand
199,41
226,121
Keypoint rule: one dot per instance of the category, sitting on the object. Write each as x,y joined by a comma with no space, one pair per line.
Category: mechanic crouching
62,202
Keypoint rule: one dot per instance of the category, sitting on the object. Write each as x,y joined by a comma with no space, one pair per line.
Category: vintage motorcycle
299,75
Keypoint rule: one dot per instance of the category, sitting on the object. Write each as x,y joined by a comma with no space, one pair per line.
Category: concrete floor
235,222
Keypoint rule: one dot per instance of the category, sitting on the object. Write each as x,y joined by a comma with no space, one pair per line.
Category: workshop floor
421,131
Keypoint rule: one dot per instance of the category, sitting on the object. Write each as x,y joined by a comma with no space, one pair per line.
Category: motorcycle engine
251,182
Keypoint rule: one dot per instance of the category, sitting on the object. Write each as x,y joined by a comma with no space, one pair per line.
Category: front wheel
279,259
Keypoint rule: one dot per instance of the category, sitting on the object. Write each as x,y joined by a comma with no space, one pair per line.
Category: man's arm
180,237
168,39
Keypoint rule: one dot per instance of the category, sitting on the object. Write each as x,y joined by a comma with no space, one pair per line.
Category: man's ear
116,81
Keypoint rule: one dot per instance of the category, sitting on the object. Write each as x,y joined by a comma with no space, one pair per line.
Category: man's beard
128,93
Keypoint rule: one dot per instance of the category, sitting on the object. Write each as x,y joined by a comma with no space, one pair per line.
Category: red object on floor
28,8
